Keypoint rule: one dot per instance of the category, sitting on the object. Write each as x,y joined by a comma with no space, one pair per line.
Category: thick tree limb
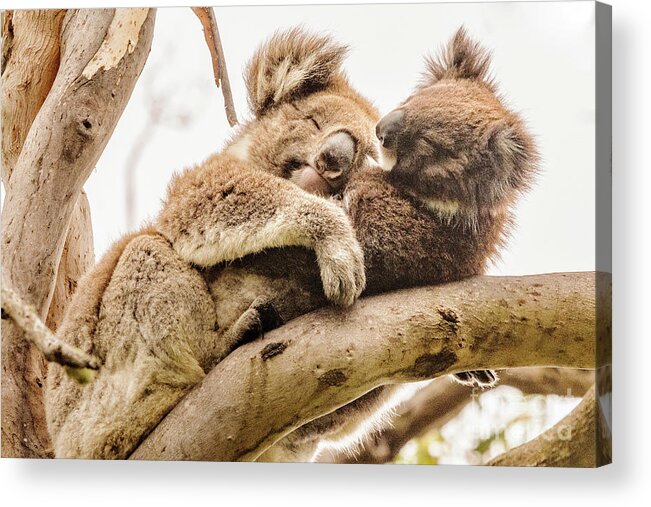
323,360
443,399
208,21
559,381
65,141
580,439
77,257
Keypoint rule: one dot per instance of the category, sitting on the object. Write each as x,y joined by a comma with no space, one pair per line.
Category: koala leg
343,429
261,316
154,331
477,378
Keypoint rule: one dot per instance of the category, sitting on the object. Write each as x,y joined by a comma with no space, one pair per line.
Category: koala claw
477,378
342,271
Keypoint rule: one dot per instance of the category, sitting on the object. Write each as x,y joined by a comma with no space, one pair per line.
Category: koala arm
223,210
404,244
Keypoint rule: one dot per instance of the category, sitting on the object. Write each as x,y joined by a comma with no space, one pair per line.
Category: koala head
453,143
309,124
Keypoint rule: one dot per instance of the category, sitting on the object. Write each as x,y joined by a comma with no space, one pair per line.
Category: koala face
310,125
316,141
328,173
453,143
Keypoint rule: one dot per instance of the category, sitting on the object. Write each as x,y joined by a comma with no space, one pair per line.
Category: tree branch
31,55
443,399
30,42
321,361
206,16
581,439
50,346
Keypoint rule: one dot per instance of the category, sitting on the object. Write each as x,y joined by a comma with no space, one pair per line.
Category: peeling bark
120,39
250,401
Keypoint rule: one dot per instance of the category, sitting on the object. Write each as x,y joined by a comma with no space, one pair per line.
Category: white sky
543,61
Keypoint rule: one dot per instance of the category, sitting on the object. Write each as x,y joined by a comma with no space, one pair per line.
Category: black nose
337,153
388,130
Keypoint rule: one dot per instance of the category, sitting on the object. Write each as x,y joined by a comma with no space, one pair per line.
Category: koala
238,247
293,213
468,164
456,159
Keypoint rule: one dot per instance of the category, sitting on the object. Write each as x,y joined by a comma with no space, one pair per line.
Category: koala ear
462,58
514,152
289,65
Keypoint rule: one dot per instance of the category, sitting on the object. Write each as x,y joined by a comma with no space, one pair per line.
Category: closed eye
307,117
314,122
291,165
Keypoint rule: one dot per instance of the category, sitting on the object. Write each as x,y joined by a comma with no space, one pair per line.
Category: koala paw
342,270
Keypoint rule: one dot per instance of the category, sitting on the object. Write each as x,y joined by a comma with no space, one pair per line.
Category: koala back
152,325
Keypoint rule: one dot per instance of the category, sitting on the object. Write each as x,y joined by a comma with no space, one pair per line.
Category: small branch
443,399
52,348
330,357
206,16
580,439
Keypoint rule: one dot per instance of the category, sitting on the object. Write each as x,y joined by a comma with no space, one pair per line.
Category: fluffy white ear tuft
291,64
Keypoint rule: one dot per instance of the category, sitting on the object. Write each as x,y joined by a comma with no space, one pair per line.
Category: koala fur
183,276
238,248
456,159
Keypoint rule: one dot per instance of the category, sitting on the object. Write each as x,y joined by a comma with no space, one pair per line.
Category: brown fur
282,70
157,322
443,211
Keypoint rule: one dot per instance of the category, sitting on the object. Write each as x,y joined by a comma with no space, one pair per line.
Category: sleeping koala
167,303
240,247
456,159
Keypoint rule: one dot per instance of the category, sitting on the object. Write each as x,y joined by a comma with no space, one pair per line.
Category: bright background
49,483
543,60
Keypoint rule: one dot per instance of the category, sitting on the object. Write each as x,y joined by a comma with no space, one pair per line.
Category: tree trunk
30,42
102,53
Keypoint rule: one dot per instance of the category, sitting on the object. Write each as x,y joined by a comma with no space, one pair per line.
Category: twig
52,348
206,16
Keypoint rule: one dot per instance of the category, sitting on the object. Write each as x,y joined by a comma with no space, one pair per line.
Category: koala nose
337,153
389,127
